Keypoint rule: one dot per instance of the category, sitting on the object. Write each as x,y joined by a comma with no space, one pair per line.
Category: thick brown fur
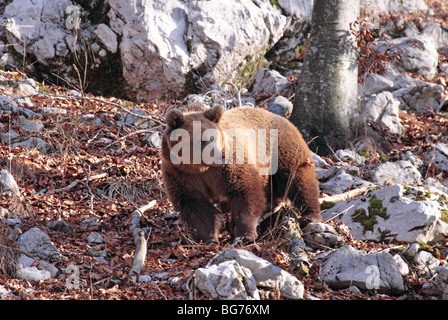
195,189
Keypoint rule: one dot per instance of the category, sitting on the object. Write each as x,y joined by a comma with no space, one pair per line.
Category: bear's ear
175,119
214,114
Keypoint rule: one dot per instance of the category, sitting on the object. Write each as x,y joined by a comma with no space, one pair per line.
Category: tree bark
326,104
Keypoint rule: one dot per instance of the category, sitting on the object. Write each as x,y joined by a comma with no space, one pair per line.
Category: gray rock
7,59
24,102
350,155
212,96
8,105
444,68
318,161
26,88
375,84
25,261
281,106
285,49
403,213
383,109
9,136
4,213
44,265
420,97
439,156
376,271
27,113
413,94
399,172
95,238
227,281
267,81
28,271
33,274
199,39
265,273
5,294
416,161
90,222
401,264
355,290
425,264
134,119
48,21
153,140
248,101
31,143
144,278
14,222
442,280
38,243
418,54
413,249
299,9
8,184
395,6
431,289
437,32
29,125
343,182
107,37
321,236
58,225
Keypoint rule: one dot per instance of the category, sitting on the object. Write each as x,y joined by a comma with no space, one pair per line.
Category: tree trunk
326,102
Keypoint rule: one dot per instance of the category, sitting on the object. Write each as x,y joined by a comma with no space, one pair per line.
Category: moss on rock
369,219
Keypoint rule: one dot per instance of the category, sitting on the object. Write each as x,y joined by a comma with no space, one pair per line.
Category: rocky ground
75,167
82,164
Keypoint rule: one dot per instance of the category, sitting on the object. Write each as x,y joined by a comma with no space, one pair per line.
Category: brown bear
244,159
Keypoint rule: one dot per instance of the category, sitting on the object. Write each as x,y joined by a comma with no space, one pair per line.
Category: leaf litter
95,167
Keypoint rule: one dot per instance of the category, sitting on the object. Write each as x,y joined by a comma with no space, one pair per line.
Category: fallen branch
140,254
133,133
75,183
345,196
139,239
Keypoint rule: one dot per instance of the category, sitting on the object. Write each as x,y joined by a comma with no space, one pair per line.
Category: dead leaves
423,131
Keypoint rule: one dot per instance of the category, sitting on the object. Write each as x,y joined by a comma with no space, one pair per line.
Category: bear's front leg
245,219
202,219
247,205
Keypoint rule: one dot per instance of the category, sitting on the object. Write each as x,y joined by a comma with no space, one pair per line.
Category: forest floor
103,170
94,167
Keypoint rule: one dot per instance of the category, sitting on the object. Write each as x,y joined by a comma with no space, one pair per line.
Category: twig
345,196
74,183
192,290
101,281
92,197
131,134
339,214
238,93
139,239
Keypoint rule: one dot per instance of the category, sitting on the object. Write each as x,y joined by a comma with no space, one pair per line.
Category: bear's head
193,138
